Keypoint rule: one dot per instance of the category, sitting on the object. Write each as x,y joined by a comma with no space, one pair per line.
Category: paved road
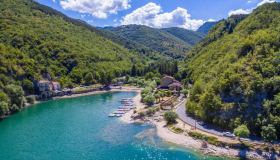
181,111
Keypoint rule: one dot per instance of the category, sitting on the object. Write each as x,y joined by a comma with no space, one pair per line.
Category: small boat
127,100
119,112
127,104
112,115
124,99
124,109
118,115
130,103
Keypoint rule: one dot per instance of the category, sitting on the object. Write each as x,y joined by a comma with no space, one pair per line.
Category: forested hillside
36,40
236,73
156,40
188,36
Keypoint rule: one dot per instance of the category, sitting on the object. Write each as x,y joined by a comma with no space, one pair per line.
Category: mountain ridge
158,40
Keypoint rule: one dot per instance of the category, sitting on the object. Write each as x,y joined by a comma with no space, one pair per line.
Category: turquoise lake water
79,129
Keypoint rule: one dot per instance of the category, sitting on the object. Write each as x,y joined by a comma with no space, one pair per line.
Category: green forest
35,40
170,43
235,73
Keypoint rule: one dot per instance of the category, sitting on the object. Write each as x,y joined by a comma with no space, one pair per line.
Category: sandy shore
183,139
186,141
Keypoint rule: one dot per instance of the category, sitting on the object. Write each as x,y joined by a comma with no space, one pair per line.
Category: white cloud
265,1
152,15
239,11
211,20
97,8
248,11
250,1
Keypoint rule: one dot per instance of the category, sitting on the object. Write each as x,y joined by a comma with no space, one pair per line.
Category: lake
79,128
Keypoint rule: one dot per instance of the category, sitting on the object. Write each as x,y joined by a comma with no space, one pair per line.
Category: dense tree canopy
36,41
236,74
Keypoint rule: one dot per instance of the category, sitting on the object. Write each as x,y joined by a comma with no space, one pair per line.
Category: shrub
209,139
170,117
4,108
149,99
30,99
242,131
177,129
269,133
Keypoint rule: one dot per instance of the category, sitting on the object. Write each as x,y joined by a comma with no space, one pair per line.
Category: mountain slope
236,73
36,41
188,36
154,39
49,39
206,27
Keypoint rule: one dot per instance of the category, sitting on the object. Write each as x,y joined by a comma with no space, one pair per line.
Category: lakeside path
181,111
123,89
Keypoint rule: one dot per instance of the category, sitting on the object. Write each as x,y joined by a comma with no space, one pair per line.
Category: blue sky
189,14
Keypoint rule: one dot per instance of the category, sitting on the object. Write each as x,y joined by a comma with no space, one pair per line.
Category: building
44,85
168,82
48,89
176,86
56,86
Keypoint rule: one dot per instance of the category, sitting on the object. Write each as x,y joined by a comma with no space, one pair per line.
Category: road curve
181,111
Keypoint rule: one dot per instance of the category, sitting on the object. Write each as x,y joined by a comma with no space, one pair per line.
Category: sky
188,14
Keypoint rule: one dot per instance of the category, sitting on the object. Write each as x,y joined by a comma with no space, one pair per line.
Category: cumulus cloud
240,11
152,15
97,8
248,11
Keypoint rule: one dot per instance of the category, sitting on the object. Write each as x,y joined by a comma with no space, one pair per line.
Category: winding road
181,111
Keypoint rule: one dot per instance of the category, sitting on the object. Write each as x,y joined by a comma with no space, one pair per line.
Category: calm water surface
78,128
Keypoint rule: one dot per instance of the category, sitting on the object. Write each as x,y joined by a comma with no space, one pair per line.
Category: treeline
235,74
162,67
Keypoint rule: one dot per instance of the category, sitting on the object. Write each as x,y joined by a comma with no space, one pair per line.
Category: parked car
228,134
201,123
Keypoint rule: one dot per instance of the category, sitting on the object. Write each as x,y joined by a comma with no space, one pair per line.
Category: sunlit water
80,129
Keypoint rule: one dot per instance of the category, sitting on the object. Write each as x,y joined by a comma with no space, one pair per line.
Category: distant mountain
188,36
235,73
172,43
206,27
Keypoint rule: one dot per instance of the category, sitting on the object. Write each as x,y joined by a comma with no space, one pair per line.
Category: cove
79,128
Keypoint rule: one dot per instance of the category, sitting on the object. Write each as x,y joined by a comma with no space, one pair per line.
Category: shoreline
185,140
123,89
162,131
